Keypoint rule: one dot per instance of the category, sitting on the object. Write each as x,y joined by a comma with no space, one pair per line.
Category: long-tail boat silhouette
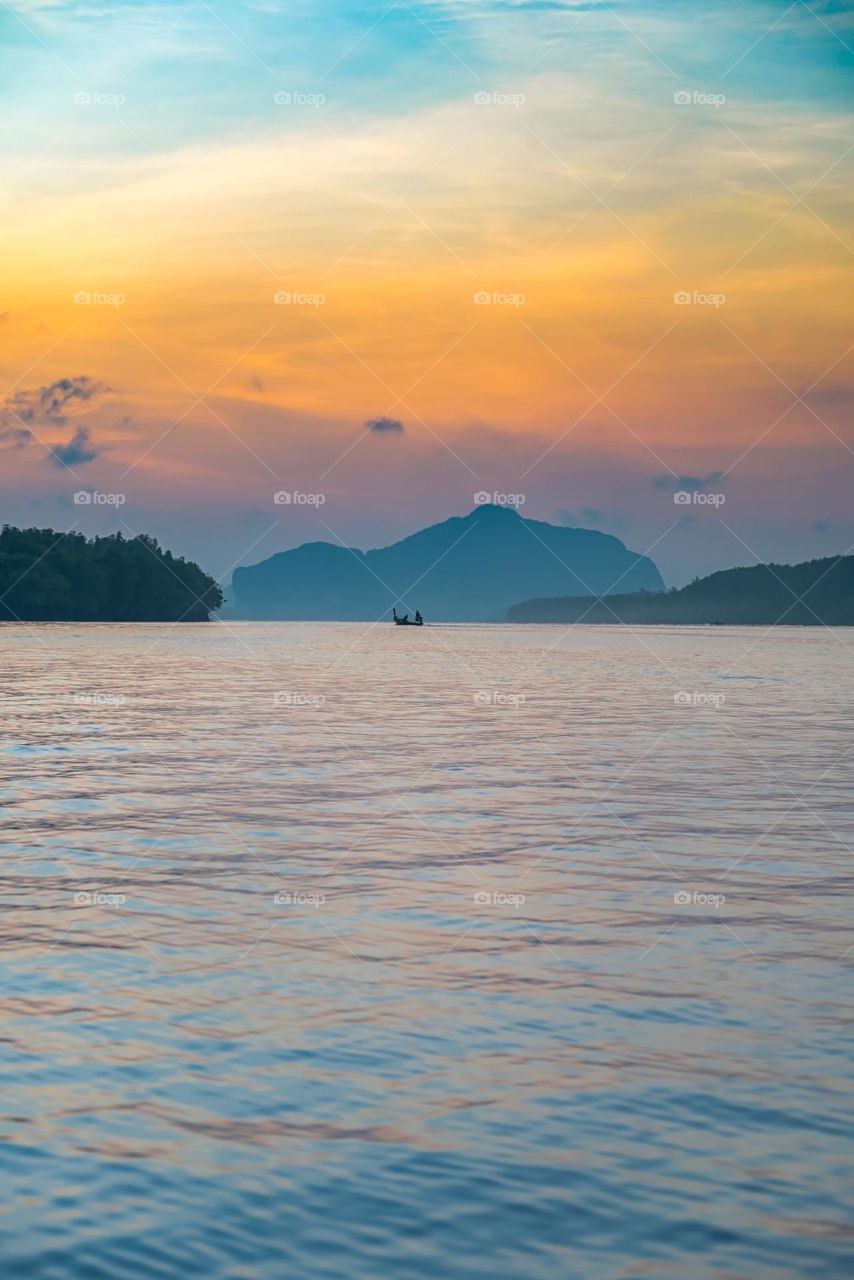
404,621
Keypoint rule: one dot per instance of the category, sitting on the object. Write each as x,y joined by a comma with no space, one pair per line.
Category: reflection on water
474,951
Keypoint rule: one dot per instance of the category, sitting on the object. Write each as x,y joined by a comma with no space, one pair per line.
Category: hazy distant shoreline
815,593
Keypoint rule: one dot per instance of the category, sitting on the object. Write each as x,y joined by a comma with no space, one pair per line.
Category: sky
283,271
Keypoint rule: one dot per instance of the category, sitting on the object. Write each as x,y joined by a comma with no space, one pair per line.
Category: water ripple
493,951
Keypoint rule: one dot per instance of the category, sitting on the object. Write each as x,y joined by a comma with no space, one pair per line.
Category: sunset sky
173,169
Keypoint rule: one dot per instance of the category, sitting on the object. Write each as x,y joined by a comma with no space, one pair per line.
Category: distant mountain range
468,568
817,591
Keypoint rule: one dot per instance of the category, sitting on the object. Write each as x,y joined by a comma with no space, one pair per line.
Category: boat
404,621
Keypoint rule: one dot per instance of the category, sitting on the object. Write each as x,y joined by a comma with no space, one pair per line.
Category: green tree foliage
808,594
47,576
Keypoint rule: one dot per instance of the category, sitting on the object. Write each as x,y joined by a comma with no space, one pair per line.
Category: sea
354,952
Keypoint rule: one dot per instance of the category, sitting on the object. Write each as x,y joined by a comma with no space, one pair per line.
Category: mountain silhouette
808,594
468,568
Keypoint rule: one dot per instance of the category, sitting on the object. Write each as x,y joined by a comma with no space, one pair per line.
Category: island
816,592
49,576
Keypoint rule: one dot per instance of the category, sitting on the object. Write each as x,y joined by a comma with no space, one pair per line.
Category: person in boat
418,619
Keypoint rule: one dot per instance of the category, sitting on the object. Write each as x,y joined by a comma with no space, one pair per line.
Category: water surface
348,951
